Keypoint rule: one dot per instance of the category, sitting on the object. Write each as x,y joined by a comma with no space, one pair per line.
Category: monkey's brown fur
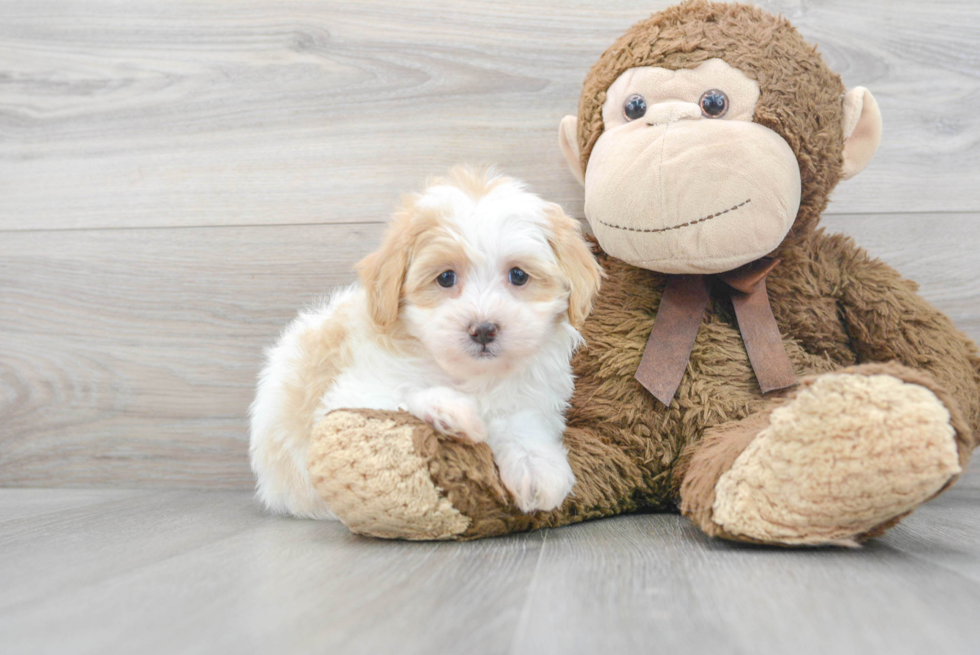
835,306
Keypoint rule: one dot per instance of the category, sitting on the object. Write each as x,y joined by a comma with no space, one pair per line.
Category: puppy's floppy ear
577,262
382,272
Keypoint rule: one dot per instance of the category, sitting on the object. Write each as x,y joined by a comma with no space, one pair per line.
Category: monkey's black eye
635,107
446,279
518,277
714,103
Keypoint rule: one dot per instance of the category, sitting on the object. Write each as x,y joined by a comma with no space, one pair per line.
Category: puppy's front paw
449,412
538,479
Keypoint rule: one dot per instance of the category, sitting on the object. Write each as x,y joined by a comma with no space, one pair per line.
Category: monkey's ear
862,130
568,142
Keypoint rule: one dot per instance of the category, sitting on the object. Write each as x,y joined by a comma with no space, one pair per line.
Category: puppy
466,317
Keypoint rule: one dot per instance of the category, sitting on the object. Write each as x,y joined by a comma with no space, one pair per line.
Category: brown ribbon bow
679,317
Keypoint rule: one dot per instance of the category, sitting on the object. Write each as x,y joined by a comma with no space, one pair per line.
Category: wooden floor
151,571
178,178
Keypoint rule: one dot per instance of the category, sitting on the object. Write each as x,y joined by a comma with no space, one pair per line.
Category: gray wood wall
176,179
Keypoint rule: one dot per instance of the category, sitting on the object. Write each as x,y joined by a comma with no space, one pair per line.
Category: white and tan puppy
467,317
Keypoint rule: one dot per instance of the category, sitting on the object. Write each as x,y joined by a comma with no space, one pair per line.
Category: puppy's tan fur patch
417,246
581,270
435,251
474,182
323,353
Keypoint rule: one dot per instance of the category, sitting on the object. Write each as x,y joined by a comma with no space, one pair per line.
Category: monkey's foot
388,474
843,460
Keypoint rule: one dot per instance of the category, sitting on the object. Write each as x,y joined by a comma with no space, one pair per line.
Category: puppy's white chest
379,380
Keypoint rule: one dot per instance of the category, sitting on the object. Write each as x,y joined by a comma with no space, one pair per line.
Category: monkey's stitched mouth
677,227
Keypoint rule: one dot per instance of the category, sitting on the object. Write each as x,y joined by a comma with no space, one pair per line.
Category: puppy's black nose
483,333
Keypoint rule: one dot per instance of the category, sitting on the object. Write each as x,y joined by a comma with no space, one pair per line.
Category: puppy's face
481,272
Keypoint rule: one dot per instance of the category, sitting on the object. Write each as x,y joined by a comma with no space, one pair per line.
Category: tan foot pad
366,469
848,454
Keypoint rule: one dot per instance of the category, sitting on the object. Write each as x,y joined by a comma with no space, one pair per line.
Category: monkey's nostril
483,333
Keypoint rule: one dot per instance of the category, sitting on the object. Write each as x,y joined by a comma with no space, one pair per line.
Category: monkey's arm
887,320
388,474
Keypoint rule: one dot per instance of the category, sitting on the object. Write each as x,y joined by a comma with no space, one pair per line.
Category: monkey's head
710,135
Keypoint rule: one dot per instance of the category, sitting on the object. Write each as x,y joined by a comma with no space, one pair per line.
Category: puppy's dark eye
714,103
446,279
518,277
635,107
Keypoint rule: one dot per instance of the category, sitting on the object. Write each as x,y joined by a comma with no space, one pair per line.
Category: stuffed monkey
772,382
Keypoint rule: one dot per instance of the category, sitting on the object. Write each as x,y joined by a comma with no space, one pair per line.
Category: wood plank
196,572
150,113
205,572
636,584
136,529
946,531
129,356
33,503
